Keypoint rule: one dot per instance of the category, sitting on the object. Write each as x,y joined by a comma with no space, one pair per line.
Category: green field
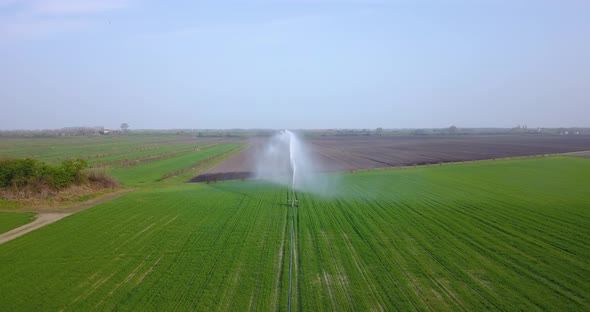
147,151
154,171
502,235
57,149
131,159
96,149
11,220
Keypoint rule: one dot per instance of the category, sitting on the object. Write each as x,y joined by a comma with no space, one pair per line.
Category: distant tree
379,131
124,127
453,130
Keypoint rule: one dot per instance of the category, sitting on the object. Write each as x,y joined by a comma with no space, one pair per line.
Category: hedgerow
28,172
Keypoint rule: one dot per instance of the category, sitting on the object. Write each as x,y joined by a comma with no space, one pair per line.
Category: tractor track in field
293,199
231,223
260,267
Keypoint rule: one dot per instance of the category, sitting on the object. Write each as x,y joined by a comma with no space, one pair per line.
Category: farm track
41,220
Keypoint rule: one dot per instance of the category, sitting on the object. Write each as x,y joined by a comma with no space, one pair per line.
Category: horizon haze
289,64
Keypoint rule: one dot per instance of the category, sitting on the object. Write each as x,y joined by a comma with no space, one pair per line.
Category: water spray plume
293,163
287,160
292,156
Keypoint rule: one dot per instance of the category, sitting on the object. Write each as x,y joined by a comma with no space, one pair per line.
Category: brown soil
337,153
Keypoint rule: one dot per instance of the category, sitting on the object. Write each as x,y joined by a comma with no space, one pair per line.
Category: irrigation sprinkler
292,201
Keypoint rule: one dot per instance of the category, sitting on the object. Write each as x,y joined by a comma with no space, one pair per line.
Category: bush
100,178
30,172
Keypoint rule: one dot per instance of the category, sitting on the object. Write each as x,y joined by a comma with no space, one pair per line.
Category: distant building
74,131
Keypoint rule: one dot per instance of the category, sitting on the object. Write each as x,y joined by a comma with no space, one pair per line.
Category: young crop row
139,151
109,155
189,247
57,149
134,159
504,235
211,160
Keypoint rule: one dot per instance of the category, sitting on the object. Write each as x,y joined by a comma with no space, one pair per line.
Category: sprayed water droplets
287,160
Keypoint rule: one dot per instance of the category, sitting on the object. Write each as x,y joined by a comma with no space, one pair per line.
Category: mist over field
288,160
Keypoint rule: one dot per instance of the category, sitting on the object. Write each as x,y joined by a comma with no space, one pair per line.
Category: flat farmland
503,235
492,235
156,170
99,149
359,153
130,159
351,153
181,248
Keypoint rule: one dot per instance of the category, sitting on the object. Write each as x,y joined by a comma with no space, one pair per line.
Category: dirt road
43,219
50,215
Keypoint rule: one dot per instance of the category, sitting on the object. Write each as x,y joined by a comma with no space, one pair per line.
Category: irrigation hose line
292,250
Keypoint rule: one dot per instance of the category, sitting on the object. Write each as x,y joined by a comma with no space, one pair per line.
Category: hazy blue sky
294,63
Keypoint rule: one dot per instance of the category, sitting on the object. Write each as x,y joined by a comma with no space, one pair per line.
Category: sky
294,63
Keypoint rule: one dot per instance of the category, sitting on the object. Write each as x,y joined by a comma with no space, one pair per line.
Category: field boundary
446,163
51,215
123,163
98,156
580,154
228,176
41,220
204,163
